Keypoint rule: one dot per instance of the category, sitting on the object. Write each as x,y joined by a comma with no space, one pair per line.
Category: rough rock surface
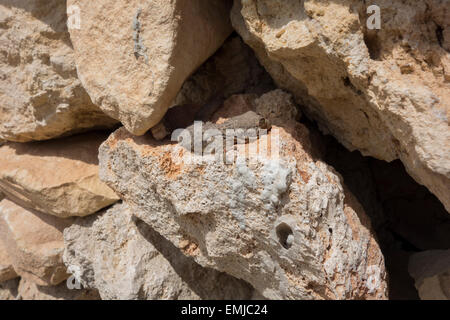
30,291
286,225
40,93
34,243
231,70
6,268
431,270
125,259
8,289
133,57
384,92
57,177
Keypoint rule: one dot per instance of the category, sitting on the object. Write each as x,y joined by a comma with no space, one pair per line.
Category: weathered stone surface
30,291
384,92
231,70
431,270
286,225
8,289
133,57
41,96
34,243
125,259
6,268
57,177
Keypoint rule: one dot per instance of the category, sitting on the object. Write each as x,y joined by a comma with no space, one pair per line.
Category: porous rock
383,92
40,93
285,224
133,57
125,259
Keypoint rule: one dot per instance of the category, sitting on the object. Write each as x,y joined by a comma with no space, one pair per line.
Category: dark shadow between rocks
78,147
203,281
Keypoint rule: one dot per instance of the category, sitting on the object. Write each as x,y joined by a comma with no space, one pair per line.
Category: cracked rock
286,225
40,93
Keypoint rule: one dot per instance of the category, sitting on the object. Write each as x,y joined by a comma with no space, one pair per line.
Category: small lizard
239,127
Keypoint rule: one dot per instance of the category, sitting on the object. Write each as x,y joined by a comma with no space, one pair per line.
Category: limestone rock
6,268
133,57
231,70
57,177
125,259
431,270
285,224
40,93
8,289
30,291
34,243
384,92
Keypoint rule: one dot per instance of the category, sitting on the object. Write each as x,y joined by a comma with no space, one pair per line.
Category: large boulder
285,224
125,259
383,92
57,177
133,57
41,96
34,243
431,271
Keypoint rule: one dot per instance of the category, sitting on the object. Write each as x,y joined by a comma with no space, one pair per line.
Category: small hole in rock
330,230
285,235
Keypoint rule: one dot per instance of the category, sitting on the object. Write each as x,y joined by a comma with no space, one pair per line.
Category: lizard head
264,123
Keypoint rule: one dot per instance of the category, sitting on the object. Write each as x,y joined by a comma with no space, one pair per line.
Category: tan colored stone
431,271
34,243
233,69
383,92
30,291
133,57
41,96
125,259
57,177
6,268
285,225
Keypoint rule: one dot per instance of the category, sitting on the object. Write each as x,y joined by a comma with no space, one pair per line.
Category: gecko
240,128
